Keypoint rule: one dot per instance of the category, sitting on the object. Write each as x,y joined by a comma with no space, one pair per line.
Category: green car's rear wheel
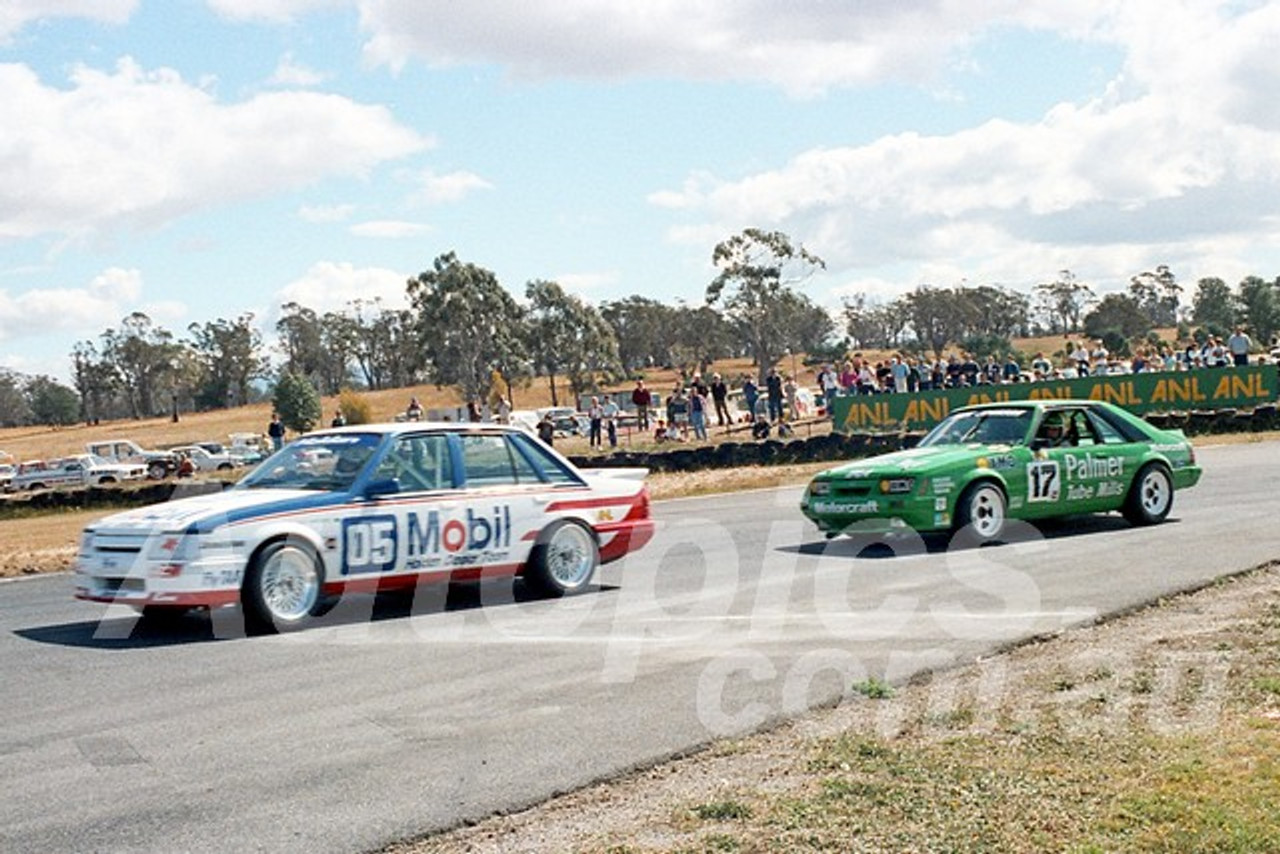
1150,497
981,511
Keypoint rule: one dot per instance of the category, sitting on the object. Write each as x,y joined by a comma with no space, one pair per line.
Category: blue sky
197,159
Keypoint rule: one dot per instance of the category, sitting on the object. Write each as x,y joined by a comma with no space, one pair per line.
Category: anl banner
1168,391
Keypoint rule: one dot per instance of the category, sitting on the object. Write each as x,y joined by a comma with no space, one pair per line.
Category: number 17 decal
1043,480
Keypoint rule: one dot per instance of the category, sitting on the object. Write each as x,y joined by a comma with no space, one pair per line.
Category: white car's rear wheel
564,559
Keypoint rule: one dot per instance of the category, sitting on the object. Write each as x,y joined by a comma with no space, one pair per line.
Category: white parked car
204,460
370,507
79,470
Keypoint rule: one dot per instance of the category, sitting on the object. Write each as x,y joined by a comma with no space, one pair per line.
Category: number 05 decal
1043,480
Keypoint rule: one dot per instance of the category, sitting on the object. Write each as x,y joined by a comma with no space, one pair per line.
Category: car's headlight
820,487
175,546
897,485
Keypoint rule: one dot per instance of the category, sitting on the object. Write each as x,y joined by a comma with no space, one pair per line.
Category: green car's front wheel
981,511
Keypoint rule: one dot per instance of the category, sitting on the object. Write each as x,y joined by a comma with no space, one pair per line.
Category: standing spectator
699,384
610,412
1239,345
504,411
866,379
339,420
547,429
1080,355
1098,358
698,411
414,410
789,389
913,376
678,411
849,377
750,394
641,399
720,396
898,371
473,411
276,431
969,370
1041,367
595,416
1012,370
773,388
829,385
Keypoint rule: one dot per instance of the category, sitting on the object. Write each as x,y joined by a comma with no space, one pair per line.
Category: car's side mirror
383,486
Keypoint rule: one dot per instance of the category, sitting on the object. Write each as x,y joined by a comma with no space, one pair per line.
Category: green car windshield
985,426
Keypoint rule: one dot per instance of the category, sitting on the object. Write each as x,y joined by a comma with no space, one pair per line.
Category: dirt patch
37,544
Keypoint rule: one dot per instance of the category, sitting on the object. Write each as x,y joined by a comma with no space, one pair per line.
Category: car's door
1084,472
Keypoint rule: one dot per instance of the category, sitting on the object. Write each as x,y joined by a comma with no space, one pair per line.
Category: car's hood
914,461
216,508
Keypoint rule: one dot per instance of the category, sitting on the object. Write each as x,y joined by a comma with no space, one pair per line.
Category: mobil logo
432,532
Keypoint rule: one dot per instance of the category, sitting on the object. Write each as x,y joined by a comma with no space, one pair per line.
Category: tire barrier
105,498
839,447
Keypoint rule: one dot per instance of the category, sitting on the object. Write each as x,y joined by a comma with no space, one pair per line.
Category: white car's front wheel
282,588
564,559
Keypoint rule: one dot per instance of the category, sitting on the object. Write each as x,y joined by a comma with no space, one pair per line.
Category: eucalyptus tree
1064,301
568,337
229,353
467,325
759,272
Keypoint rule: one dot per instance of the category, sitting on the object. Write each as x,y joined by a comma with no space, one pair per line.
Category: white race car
366,508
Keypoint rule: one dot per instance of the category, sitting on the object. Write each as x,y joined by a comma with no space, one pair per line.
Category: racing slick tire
564,559
1150,497
981,513
284,587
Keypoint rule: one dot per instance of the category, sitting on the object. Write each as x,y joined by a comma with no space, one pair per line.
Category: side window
553,471
487,461
1107,434
1081,432
419,463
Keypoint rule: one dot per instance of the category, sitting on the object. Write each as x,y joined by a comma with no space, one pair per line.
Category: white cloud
138,147
389,229
290,73
15,14
83,312
330,286
325,213
274,11
1174,156
804,48
587,284
453,187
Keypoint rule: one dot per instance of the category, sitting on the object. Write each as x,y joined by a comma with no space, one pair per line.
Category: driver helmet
1054,426
350,463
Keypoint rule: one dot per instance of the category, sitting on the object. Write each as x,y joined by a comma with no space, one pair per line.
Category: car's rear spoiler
635,473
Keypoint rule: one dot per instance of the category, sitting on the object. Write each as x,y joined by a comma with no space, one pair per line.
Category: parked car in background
203,461
246,447
79,470
158,464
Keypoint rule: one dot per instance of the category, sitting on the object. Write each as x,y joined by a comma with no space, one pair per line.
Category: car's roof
1051,403
398,427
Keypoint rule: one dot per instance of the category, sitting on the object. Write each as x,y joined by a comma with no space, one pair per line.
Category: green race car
1027,460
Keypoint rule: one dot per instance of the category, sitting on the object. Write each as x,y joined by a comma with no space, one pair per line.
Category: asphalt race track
398,717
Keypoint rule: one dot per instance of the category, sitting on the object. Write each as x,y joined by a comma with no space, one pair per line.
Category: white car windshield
987,427
325,462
